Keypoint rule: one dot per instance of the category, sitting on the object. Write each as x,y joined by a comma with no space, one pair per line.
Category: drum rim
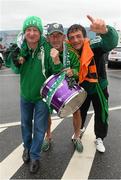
74,95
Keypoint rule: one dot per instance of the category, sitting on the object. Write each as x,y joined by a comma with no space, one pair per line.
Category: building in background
8,37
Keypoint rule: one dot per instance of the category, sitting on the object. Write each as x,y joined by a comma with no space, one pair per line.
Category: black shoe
34,166
26,156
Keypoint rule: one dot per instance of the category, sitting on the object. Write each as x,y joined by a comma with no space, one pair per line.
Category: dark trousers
100,128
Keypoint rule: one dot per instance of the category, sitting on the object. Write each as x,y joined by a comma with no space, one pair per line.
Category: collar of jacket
25,50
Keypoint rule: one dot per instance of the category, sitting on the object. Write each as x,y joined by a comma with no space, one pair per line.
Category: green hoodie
38,66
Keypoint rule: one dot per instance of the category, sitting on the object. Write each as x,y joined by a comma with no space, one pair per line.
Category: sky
67,12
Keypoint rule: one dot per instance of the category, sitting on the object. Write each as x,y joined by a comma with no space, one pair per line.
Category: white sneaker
99,145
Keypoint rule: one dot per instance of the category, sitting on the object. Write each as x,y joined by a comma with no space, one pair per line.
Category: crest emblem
56,26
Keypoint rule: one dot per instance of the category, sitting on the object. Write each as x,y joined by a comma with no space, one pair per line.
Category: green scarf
25,51
104,103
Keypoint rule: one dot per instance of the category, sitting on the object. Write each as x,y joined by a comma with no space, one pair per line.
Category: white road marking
54,117
110,109
9,124
114,108
6,75
6,125
13,162
113,70
5,69
2,129
81,163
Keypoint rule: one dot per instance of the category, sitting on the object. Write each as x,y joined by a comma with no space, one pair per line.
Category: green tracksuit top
99,47
38,66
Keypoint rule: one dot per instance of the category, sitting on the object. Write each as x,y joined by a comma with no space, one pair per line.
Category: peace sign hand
98,25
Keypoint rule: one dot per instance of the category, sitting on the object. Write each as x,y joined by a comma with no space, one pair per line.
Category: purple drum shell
65,100
48,84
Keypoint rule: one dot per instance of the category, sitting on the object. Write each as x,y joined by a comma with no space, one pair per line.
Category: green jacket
38,66
100,46
71,59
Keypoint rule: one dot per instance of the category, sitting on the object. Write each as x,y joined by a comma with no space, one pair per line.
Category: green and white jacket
38,66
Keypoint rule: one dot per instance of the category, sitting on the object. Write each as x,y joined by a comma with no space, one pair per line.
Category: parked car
114,57
1,60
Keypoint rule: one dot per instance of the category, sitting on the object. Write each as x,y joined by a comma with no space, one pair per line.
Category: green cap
33,21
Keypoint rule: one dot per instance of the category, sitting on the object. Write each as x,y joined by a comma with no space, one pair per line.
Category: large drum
63,99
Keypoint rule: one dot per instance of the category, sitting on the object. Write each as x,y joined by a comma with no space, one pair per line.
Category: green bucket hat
33,21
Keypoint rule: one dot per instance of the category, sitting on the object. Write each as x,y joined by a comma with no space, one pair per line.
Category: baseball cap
54,27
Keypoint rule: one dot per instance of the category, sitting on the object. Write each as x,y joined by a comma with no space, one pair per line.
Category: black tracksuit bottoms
100,128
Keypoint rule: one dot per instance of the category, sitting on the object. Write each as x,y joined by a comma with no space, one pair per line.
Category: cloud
67,12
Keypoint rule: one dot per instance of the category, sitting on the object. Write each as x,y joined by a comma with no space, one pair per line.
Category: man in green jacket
56,38
92,73
32,60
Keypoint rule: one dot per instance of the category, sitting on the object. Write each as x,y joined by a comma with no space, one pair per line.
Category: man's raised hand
97,25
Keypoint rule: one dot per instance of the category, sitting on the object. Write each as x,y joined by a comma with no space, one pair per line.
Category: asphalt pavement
61,161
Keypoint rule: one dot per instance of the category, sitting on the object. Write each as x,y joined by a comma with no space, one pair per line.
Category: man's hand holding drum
69,72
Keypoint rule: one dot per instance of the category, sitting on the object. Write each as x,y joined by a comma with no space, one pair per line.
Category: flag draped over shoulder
87,64
104,103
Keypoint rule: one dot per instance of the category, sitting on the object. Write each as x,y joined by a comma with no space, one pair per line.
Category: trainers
99,145
46,145
78,145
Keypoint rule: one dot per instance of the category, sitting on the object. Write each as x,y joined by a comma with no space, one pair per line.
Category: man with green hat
35,65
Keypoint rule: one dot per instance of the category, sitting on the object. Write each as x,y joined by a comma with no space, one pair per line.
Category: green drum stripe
53,88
